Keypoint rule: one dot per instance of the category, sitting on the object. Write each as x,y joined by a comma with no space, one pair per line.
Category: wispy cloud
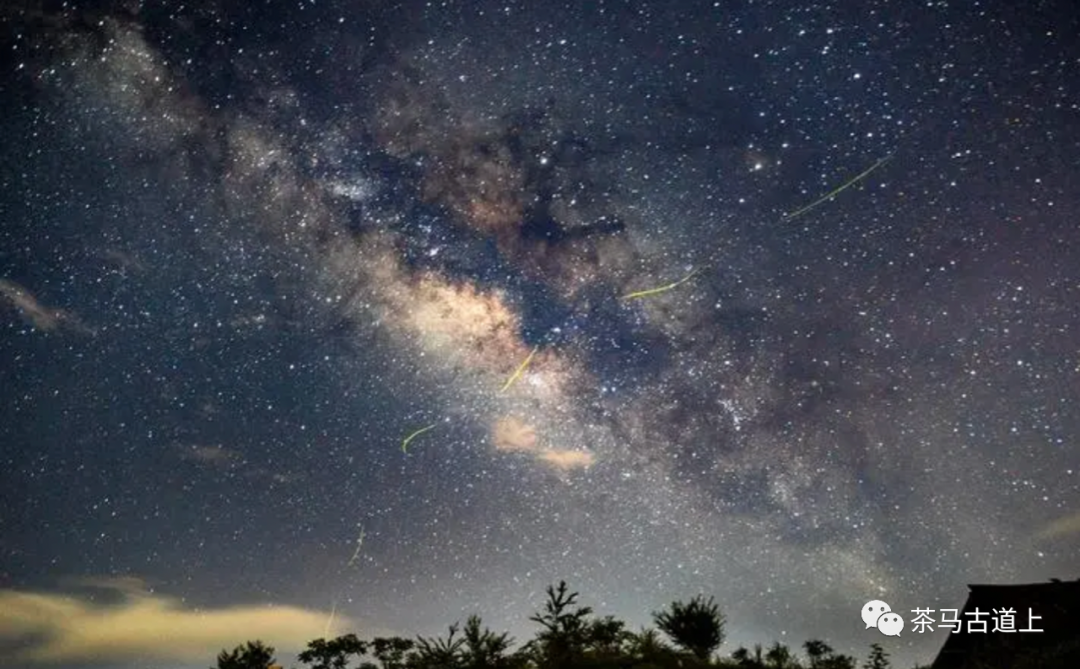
566,460
210,455
512,434
145,626
37,314
1062,527
218,457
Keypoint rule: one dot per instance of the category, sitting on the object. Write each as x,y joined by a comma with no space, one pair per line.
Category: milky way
247,252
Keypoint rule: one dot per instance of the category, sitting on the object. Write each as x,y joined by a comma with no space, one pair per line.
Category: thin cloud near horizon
141,626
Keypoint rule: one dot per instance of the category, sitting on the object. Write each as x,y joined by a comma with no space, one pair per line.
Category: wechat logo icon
877,613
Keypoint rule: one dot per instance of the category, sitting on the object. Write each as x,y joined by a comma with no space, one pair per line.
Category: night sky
246,249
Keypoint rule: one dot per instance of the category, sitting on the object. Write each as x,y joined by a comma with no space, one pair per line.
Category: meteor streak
520,370
405,442
359,545
661,289
832,194
330,620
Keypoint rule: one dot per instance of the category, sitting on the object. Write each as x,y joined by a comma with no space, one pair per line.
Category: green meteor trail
405,442
834,193
661,289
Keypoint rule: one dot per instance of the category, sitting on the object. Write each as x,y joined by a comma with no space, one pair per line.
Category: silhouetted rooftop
1052,607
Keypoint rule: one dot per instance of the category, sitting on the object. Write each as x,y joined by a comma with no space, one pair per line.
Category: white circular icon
872,610
890,624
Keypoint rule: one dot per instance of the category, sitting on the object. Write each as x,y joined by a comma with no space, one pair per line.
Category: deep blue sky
245,250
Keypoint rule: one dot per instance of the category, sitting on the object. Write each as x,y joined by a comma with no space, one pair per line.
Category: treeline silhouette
687,635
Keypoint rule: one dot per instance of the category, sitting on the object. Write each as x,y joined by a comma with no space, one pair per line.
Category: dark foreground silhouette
687,635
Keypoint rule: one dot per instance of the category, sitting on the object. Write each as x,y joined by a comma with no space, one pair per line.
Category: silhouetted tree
252,655
607,637
572,638
817,650
647,646
438,652
822,656
332,654
697,626
779,657
565,625
743,658
484,649
878,659
390,652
